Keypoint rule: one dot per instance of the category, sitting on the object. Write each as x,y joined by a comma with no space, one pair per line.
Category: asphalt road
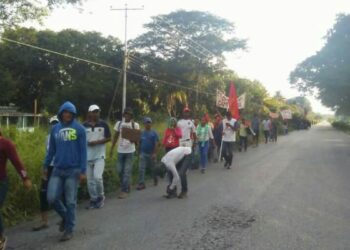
291,195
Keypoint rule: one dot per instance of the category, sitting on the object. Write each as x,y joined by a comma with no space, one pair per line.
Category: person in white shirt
177,162
97,135
228,139
267,127
126,151
188,129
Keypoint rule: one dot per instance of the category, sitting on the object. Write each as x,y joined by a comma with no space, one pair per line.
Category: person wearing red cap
188,129
8,152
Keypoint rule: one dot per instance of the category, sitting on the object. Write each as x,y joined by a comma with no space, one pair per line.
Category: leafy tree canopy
15,12
328,71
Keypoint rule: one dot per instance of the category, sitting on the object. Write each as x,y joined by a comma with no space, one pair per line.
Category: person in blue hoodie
68,150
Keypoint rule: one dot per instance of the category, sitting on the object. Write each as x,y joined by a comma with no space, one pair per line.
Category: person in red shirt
172,135
8,152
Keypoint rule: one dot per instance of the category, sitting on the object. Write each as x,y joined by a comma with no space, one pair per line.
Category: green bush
342,125
21,203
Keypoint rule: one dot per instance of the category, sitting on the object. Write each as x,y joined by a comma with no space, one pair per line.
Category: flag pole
220,150
222,136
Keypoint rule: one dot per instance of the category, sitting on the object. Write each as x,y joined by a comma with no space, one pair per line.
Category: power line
140,62
103,65
60,54
137,59
175,46
187,38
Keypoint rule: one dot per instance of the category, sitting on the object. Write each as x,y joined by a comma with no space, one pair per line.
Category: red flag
233,102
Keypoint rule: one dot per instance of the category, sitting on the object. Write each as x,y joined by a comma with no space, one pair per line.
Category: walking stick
220,150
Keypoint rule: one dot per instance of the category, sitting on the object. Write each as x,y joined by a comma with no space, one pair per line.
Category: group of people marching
76,152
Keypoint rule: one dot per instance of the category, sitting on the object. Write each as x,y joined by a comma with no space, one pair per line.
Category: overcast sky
280,33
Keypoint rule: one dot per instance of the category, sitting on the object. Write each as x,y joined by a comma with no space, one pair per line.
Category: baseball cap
128,110
54,119
147,120
93,108
186,109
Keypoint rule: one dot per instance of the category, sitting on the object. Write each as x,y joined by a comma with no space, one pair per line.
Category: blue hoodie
67,145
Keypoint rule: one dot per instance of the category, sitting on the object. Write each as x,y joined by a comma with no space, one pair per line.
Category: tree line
178,61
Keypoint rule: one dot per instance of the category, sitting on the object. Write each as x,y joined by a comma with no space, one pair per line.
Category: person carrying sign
128,131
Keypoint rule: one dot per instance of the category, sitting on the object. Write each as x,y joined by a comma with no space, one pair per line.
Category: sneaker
91,205
66,236
100,202
203,171
171,195
141,187
168,190
61,226
3,242
40,227
182,195
123,195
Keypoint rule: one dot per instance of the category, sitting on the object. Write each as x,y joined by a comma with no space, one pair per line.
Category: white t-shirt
124,145
228,133
95,133
266,124
187,127
174,156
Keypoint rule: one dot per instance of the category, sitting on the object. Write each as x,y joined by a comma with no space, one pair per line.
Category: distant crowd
77,152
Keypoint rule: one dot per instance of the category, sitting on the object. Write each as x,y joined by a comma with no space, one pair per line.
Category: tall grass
21,204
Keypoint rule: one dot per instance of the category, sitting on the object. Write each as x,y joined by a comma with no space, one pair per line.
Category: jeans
124,170
146,161
203,153
180,171
267,135
3,192
227,151
94,174
256,137
64,181
243,143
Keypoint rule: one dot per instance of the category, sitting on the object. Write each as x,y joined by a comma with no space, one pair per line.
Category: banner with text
241,101
286,114
221,99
